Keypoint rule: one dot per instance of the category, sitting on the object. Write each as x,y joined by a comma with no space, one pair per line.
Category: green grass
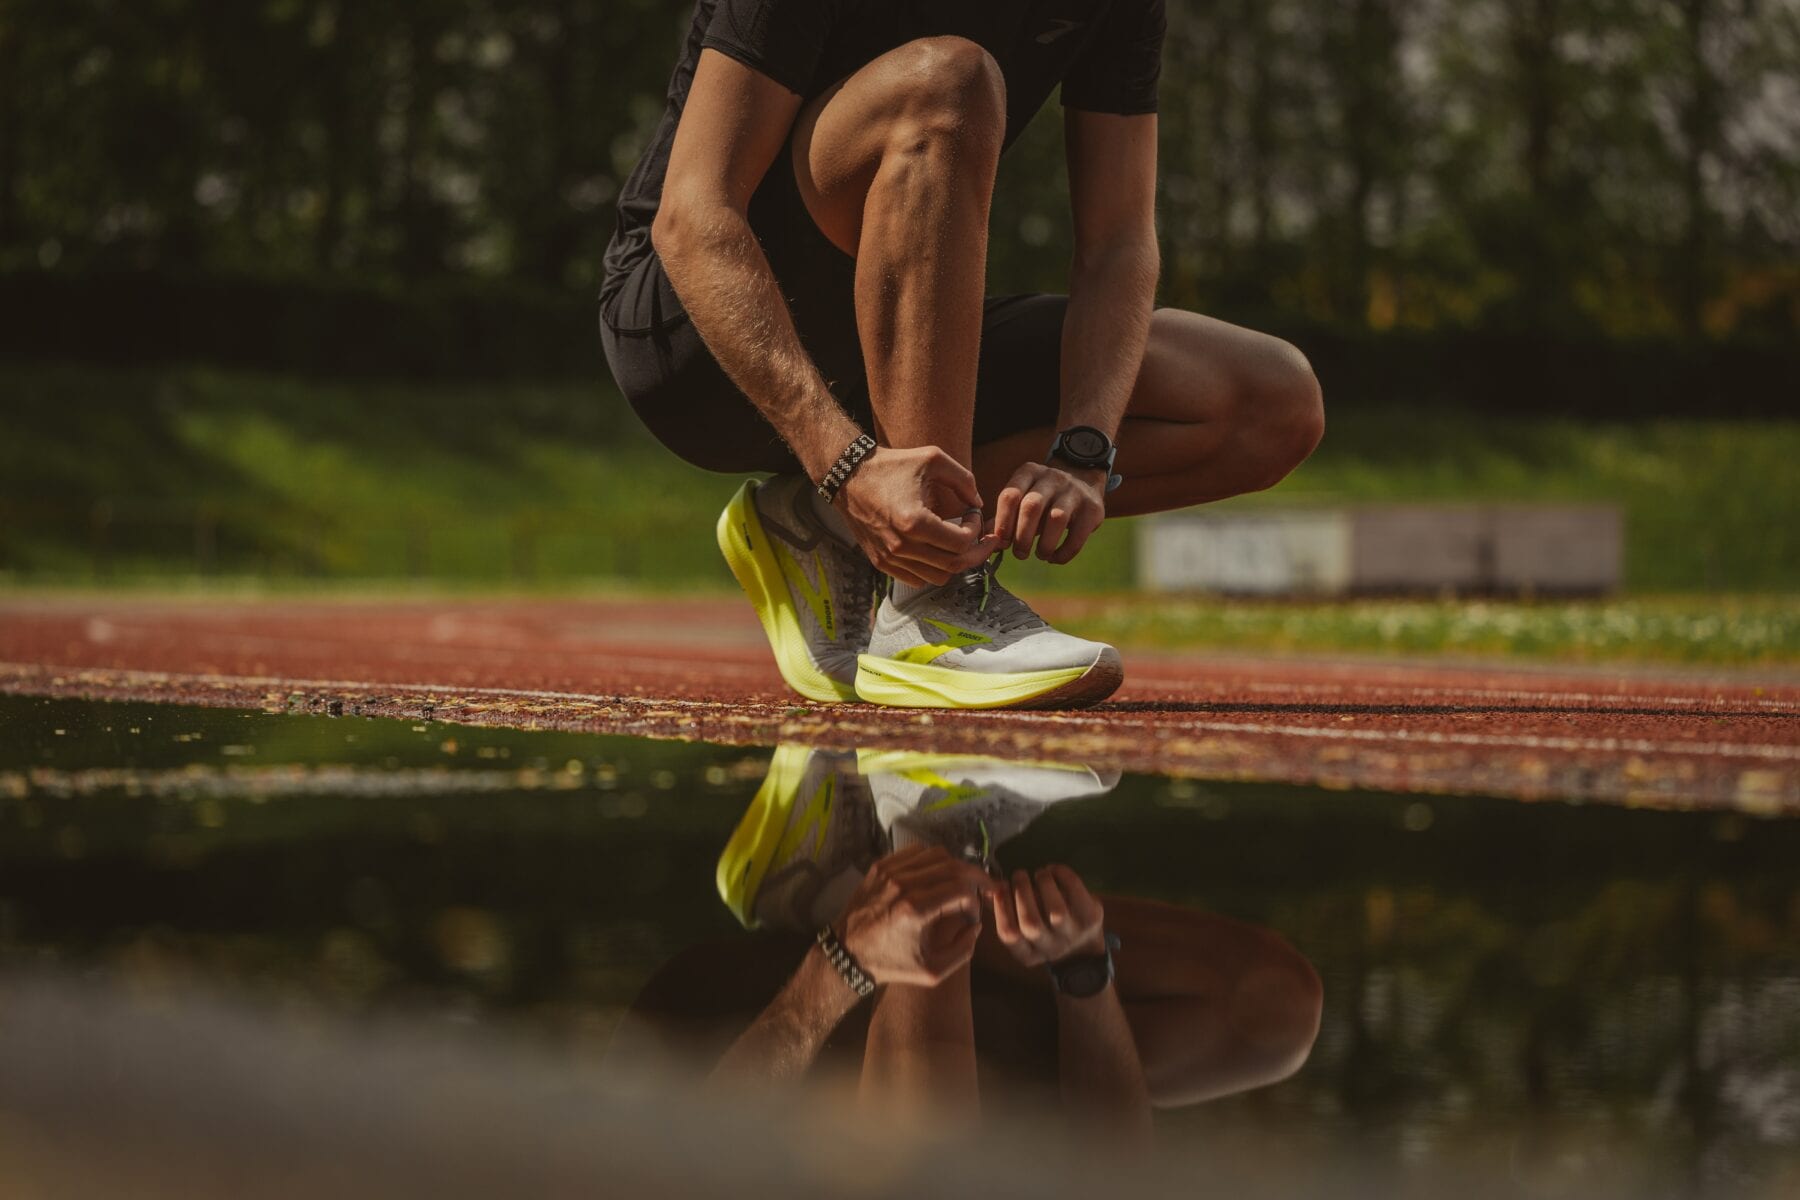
124,478
1724,630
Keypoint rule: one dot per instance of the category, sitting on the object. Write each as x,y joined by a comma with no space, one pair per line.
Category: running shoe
807,840
972,644
969,803
812,591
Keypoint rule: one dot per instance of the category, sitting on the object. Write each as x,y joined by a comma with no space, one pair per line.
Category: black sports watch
1085,975
1085,446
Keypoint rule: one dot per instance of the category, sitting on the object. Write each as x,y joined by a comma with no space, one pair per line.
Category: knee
1290,408
1279,1009
948,89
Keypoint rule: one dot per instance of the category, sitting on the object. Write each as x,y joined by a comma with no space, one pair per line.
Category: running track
699,669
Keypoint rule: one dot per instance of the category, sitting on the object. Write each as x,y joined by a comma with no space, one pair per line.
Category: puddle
1581,993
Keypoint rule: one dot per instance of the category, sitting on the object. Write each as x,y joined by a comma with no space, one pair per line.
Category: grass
126,478
1739,630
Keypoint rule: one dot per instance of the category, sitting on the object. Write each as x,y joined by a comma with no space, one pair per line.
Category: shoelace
982,595
856,586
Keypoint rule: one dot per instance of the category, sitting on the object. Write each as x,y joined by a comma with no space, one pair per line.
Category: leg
1218,410
1216,1006
919,1059
896,166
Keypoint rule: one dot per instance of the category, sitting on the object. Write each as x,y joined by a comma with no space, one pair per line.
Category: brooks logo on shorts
1061,27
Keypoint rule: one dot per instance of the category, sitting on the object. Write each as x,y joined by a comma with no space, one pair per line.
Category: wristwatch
1085,446
1085,975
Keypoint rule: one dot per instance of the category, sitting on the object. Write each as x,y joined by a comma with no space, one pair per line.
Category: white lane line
1437,691
1756,750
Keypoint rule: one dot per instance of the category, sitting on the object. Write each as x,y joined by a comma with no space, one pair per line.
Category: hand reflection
1200,1005
915,916
1046,917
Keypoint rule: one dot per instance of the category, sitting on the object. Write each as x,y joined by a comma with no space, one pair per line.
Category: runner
796,286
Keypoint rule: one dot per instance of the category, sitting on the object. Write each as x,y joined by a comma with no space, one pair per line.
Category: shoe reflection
895,852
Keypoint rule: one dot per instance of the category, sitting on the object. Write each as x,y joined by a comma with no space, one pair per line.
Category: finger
1082,905
941,902
924,529
945,959
1080,530
1056,523
960,479
916,572
1031,919
980,552
1031,515
1006,924
902,860
1050,897
945,869
898,570
1006,512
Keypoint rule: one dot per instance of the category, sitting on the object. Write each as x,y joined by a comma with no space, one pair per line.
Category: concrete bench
1392,548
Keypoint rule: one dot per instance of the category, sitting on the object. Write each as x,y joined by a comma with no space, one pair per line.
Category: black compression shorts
684,398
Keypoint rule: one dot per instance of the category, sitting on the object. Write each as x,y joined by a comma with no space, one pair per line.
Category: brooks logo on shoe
955,638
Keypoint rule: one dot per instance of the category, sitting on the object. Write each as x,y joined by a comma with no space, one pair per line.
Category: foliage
110,475
1627,166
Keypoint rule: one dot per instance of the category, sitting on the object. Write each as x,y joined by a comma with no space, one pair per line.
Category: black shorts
684,398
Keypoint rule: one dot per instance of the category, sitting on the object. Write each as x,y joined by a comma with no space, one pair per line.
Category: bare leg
919,1059
1218,410
896,166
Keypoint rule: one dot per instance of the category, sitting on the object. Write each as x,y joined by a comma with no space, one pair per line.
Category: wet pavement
1550,999
698,669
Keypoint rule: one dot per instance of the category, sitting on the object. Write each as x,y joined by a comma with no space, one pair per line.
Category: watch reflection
892,948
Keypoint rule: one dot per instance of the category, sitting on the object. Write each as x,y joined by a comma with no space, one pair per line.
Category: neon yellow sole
751,850
752,561
896,762
920,685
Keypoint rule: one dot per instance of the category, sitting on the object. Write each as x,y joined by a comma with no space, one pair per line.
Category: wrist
825,445
854,981
1095,477
1086,948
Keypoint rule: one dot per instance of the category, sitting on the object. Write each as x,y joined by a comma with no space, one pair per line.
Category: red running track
699,669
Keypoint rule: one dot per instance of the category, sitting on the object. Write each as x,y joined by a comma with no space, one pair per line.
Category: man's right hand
915,916
896,505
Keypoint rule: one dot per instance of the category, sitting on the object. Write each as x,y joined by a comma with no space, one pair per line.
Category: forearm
1111,293
786,1037
732,297
1101,1074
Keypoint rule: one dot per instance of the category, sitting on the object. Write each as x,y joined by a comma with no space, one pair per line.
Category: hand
1042,502
917,515
1049,917
915,916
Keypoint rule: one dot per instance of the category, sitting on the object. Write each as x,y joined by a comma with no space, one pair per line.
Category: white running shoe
969,803
972,644
812,591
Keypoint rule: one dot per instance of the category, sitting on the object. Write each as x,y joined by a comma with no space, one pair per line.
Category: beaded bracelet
845,466
845,964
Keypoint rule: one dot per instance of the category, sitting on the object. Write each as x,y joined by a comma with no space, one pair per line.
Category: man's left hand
1057,507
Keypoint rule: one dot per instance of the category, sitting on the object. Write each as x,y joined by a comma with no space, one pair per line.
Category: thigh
1018,385
1198,369
676,387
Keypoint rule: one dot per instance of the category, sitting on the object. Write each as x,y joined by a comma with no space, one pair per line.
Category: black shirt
1105,53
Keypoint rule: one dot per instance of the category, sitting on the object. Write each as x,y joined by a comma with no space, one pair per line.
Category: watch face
1084,977
1085,443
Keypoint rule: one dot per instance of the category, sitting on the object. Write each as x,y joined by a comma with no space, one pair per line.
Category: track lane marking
1750,750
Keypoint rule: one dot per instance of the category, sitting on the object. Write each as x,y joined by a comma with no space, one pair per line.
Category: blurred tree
1630,167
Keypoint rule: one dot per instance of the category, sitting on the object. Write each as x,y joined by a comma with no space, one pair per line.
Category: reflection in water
998,978
1588,1000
